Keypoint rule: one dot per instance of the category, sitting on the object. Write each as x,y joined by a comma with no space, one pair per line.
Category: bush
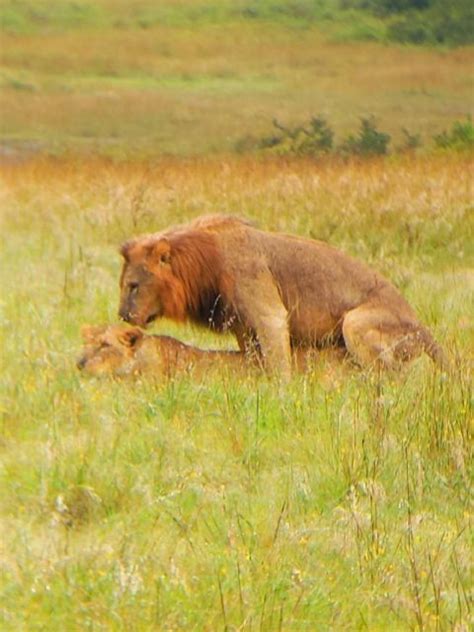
460,138
423,21
410,143
316,140
368,142
411,30
386,7
453,22
313,140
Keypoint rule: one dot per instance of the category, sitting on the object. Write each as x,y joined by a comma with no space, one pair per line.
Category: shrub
422,21
410,142
460,138
385,7
368,142
316,140
411,30
313,140
453,22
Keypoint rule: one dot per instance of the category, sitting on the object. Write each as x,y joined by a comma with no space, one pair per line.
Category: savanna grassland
224,501
130,79
227,501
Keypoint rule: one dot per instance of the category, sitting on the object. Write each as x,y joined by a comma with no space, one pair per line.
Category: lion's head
149,286
175,275
109,349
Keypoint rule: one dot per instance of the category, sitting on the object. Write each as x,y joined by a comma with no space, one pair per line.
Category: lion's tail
433,349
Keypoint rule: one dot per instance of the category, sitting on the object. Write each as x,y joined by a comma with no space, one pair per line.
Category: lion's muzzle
125,315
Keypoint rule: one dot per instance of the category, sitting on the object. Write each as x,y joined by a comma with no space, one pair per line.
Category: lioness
273,291
122,351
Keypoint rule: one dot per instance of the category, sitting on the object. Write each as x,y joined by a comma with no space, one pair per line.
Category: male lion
123,351
273,291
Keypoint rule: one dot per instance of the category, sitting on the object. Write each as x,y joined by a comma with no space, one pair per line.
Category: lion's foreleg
274,339
261,310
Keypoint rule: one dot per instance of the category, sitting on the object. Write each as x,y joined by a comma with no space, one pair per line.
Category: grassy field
191,77
340,501
230,502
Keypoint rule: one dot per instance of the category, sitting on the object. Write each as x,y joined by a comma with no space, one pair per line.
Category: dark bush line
448,22
316,139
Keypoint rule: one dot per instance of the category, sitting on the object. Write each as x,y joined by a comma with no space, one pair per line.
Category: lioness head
109,349
149,287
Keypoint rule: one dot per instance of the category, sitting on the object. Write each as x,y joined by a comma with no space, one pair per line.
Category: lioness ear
160,252
130,337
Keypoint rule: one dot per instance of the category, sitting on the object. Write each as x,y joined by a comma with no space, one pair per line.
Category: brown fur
273,291
119,350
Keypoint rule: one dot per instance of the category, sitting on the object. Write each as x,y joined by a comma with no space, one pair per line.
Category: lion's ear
126,247
160,252
130,337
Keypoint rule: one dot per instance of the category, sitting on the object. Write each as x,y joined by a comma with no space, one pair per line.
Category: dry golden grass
192,90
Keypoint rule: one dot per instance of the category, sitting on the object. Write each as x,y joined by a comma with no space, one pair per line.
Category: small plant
313,140
322,134
460,138
410,143
368,142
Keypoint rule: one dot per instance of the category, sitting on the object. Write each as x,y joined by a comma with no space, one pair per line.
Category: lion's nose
81,363
125,315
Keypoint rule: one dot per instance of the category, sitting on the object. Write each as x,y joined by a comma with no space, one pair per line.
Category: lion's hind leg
373,334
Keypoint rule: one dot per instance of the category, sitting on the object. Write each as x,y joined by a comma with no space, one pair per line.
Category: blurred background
140,78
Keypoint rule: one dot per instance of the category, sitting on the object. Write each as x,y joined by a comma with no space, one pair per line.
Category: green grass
41,15
337,502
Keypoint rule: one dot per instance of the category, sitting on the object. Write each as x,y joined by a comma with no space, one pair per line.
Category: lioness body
273,291
123,351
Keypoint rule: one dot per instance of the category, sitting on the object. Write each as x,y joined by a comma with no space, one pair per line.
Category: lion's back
318,283
301,265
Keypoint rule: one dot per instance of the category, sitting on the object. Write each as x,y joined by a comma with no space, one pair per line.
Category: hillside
134,79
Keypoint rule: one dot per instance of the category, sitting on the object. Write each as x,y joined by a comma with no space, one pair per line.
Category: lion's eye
133,288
